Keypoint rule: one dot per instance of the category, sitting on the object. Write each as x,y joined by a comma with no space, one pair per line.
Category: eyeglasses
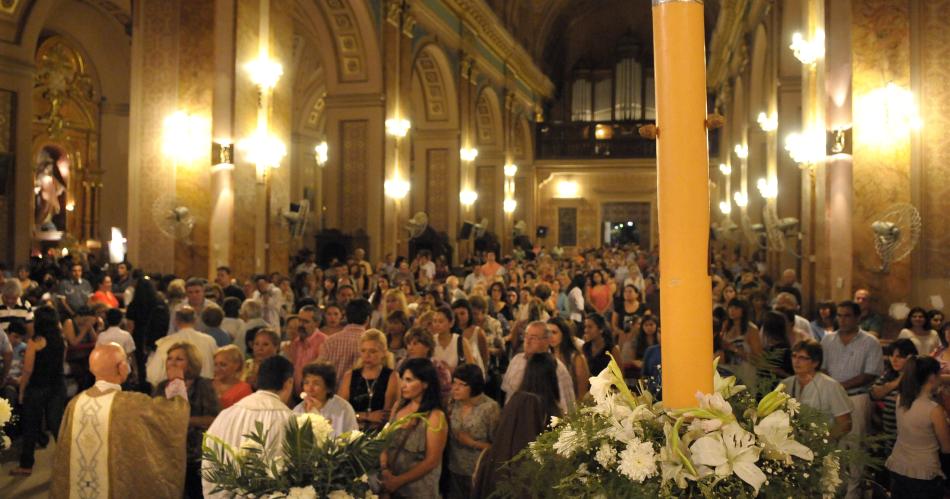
800,357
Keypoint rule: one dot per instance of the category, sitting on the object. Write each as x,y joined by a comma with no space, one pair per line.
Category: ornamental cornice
483,21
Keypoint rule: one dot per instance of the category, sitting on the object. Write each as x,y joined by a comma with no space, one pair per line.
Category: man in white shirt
115,334
271,300
184,322
268,405
537,339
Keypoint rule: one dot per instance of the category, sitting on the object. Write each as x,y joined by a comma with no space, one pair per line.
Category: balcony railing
616,139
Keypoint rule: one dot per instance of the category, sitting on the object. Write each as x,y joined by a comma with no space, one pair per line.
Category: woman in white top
319,387
575,300
922,433
917,329
472,334
448,345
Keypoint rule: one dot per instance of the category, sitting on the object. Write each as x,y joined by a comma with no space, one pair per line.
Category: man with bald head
121,444
537,339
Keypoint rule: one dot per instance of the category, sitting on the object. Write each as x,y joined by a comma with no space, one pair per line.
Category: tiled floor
33,486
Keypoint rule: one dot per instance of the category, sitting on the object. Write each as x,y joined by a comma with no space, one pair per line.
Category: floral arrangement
6,415
312,462
730,445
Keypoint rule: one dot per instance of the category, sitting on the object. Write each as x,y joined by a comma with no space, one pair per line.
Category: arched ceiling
562,33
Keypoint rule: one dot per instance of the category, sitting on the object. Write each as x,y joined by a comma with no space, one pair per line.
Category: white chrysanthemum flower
792,406
339,494
307,492
535,453
364,478
568,442
322,429
830,479
6,411
606,456
554,422
638,461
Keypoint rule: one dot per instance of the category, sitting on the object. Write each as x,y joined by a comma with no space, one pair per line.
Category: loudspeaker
465,231
542,231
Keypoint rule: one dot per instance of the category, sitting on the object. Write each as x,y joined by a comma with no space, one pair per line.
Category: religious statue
49,184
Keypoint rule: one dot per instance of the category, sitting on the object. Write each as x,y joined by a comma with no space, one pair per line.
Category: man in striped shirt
14,307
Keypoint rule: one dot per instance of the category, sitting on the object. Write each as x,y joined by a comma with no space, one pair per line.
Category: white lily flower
601,385
726,386
774,431
729,451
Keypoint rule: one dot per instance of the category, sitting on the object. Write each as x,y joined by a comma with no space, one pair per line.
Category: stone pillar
172,71
880,37
222,131
683,192
16,202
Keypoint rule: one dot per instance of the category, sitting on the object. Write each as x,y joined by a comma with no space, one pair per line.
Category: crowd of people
487,352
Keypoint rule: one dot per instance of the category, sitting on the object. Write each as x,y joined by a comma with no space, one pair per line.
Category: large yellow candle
683,192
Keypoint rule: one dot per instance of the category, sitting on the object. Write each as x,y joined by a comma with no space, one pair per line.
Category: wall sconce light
509,205
768,190
263,150
742,151
725,207
567,189
468,154
185,137
321,152
396,188
741,199
839,141
808,51
511,170
768,123
806,148
886,114
468,197
725,169
264,72
70,206
398,127
116,246
222,155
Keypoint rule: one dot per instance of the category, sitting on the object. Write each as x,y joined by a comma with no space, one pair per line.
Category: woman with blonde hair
371,387
228,371
394,300
203,402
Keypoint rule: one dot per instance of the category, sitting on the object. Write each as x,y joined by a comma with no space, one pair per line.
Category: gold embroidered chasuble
136,440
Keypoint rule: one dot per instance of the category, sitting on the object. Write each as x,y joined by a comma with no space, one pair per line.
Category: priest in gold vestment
115,444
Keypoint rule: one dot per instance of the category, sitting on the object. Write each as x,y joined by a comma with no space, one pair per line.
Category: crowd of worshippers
495,348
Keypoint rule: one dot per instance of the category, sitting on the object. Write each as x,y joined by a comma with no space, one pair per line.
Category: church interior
506,115
189,135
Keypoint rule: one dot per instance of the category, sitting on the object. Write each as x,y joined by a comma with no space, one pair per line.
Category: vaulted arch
434,100
488,125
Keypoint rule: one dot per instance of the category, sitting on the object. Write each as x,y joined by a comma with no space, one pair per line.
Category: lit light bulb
567,189
741,199
398,127
725,207
511,170
742,151
808,51
468,197
264,72
767,123
185,137
725,169
509,205
263,150
807,147
321,150
768,190
396,188
468,154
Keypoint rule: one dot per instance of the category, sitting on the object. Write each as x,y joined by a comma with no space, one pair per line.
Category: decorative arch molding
522,146
434,90
345,36
758,74
488,127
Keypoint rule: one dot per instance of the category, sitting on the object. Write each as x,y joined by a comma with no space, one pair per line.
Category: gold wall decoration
437,188
66,127
486,119
935,141
485,206
432,87
346,34
355,165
